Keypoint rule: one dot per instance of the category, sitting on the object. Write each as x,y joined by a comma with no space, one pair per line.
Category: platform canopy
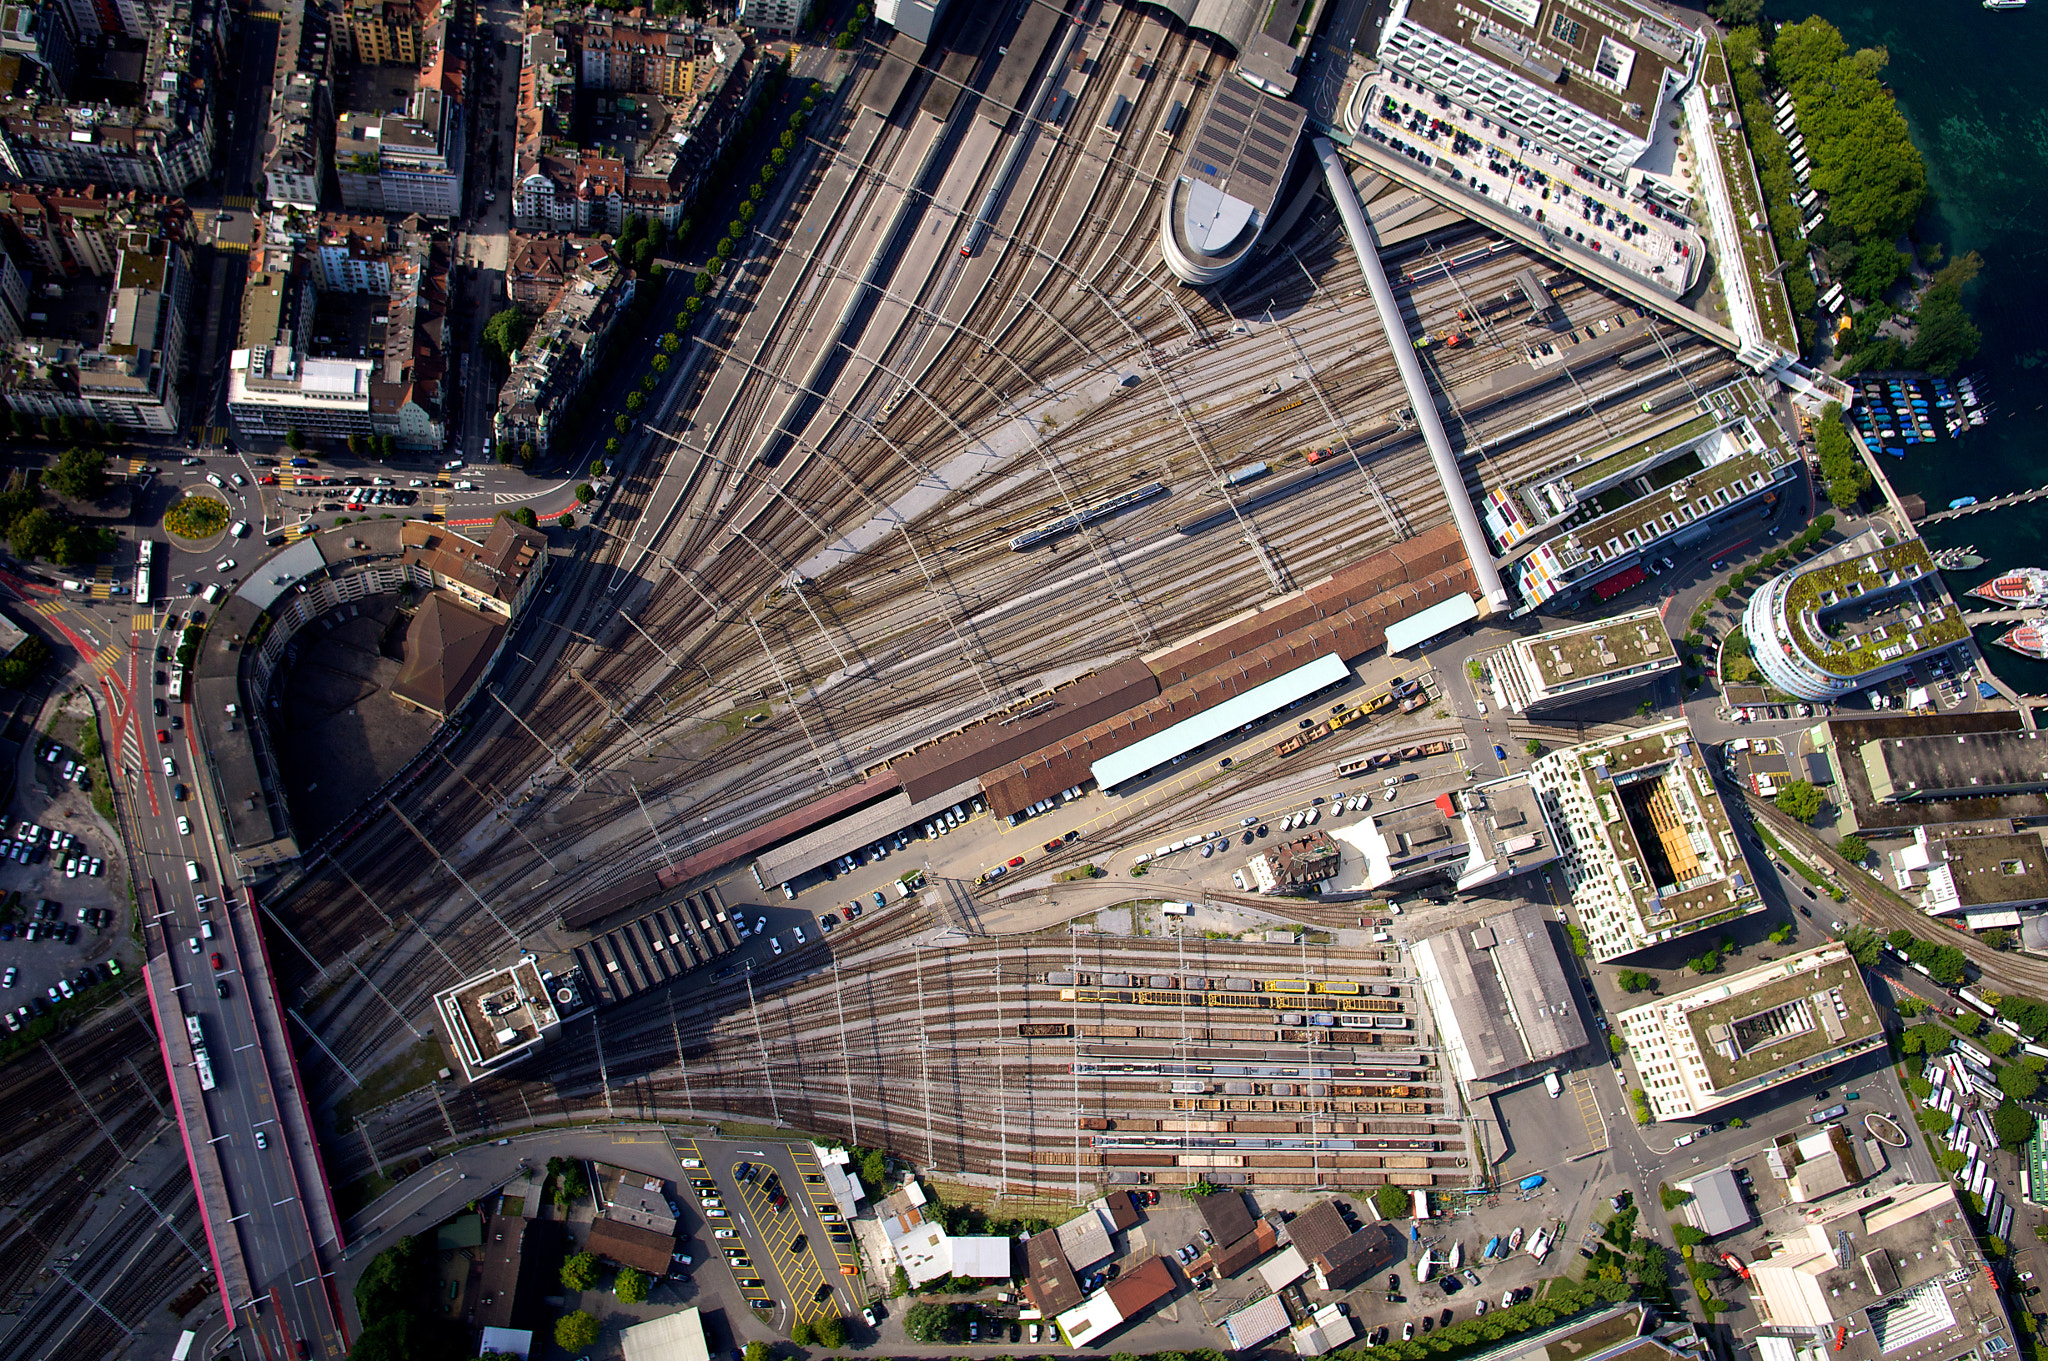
1439,618
1256,703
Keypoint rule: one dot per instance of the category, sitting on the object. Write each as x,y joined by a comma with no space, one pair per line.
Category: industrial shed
1499,994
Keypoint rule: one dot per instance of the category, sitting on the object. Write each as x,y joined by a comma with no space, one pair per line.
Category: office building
1857,615
1587,81
1581,662
1649,852
1901,1274
1732,1037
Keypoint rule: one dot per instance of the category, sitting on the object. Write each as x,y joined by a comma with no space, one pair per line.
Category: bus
184,1348
145,551
192,1029
177,693
205,1067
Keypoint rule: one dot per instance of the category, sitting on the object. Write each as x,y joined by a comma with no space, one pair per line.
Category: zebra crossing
659,947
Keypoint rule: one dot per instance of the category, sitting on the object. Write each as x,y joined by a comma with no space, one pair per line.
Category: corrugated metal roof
1183,737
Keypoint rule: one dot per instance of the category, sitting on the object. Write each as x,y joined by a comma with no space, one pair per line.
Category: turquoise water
1973,84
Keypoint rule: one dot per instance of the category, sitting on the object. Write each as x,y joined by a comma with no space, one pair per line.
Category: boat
1492,1247
2029,639
1539,1246
1427,1266
2025,588
1962,501
1457,1257
1515,1240
2005,4
1958,559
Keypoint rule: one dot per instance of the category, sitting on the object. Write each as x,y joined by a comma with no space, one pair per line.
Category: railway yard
956,439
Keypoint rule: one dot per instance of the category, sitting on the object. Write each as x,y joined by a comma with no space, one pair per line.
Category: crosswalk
659,947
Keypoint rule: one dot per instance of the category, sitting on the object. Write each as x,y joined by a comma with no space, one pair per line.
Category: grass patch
734,1129
409,1071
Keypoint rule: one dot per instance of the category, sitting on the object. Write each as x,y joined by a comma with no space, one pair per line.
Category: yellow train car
1339,988
1287,985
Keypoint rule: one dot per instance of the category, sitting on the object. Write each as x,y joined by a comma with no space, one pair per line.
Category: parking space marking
845,1255
1590,1112
800,1274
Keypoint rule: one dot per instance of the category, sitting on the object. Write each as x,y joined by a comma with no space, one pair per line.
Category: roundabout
197,521
1885,1130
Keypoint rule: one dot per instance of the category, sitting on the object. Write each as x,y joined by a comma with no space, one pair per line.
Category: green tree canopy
2013,1124
522,515
1634,980
1854,849
1799,799
576,1332
1392,1202
928,1322
631,1285
78,473
1863,158
579,1271
505,332
389,1282
830,1332
2017,1082
1876,267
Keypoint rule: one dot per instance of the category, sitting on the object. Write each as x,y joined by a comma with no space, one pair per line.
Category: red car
218,962
1015,861
163,734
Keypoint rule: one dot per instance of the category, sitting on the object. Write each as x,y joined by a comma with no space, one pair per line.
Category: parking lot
761,1215
63,925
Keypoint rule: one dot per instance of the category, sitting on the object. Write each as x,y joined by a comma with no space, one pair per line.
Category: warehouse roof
1499,994
1717,1206
966,755
1268,697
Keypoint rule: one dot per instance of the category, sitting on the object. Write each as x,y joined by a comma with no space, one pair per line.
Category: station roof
1439,618
1250,1326
860,828
1161,747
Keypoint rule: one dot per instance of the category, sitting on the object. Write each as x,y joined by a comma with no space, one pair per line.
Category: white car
225,565
725,1233
215,479
465,486
1237,877
240,529
170,768
262,1139
416,482
798,932
775,943
452,464
238,479
760,925
184,825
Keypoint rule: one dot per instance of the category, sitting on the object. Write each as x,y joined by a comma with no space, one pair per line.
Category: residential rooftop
1773,1017
1594,655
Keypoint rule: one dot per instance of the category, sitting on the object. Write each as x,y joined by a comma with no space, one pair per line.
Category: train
1237,477
1168,997
1046,1030
1456,262
1086,516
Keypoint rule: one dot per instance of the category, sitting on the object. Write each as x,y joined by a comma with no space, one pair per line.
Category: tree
585,493
874,1168
505,332
929,1323
21,667
800,1333
579,1271
355,446
631,1285
2017,1082
576,1332
523,515
1533,747
387,446
830,1332
389,1282
1998,1042
1799,799
1877,266
294,439
1968,1023
1840,467
1854,849
756,1351
1947,338
1634,980
80,474
2012,1123
1710,962
1392,1202
34,534
565,520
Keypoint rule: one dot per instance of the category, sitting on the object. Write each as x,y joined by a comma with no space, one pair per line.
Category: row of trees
34,530
1841,467
55,429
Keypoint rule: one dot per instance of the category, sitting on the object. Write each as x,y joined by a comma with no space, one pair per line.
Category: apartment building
562,352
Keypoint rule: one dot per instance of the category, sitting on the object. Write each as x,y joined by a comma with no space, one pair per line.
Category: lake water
1972,86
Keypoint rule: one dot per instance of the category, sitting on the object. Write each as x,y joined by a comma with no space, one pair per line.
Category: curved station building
1852,618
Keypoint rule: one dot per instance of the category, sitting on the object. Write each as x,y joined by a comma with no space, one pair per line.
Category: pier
1996,503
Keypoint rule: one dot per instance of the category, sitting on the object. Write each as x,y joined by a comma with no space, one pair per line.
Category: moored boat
2029,639
2025,588
1515,1239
